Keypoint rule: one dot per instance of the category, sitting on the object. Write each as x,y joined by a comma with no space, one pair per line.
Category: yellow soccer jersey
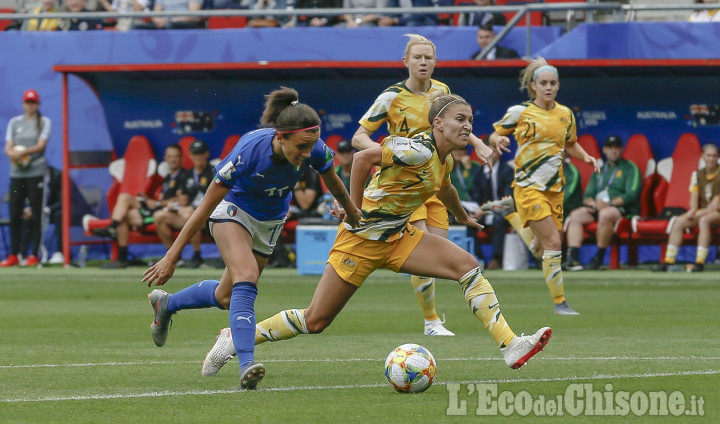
541,136
410,173
405,112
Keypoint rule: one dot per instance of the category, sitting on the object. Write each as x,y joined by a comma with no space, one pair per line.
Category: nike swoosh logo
493,305
403,109
257,174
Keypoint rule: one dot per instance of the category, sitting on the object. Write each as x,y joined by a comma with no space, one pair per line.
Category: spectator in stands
78,23
412,19
489,185
364,19
545,132
124,6
345,153
25,141
704,212
611,195
307,197
44,24
269,21
137,211
172,218
707,15
485,36
175,22
305,19
480,19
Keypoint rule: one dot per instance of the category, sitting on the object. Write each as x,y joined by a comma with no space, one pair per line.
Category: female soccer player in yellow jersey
411,171
404,108
544,130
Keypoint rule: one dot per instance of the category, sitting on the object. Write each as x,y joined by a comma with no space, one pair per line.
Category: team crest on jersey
349,262
232,210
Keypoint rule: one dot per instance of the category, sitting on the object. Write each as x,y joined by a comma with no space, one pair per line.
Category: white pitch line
325,360
353,386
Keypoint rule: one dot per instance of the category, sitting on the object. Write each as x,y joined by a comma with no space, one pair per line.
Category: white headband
446,105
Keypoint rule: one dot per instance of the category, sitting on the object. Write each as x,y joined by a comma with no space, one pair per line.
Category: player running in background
246,206
404,108
386,239
544,130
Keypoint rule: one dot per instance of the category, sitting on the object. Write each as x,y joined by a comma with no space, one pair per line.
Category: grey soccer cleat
161,324
564,309
251,375
504,206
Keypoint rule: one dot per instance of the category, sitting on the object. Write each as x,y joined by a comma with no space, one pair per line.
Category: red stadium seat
185,143
671,192
223,22
589,143
230,143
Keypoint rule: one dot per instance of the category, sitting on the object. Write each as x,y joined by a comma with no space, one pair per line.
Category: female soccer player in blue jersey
411,171
246,206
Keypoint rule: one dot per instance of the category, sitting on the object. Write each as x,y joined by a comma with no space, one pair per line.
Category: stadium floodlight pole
65,195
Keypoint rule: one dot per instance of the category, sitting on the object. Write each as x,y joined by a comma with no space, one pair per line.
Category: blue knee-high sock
242,321
197,296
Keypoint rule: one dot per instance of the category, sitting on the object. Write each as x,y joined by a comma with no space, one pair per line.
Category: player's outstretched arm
164,269
448,195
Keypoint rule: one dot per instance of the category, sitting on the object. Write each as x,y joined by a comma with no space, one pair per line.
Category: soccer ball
24,160
410,368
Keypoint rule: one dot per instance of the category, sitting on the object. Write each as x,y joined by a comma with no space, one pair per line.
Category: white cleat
522,347
436,328
221,353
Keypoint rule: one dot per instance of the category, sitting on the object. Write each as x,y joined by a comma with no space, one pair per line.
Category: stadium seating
223,22
4,23
671,194
589,143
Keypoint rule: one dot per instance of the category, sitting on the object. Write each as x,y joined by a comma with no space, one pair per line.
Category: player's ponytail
284,112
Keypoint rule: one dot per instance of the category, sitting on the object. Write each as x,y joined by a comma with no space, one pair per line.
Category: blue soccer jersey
260,187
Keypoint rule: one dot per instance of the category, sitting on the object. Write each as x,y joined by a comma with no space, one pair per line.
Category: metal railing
628,12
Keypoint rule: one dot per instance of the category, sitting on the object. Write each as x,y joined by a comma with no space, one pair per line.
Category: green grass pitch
75,347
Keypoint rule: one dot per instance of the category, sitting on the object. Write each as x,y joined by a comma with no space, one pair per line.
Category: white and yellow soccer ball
410,368
24,160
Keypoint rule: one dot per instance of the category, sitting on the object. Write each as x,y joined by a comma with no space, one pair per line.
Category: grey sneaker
523,347
565,309
251,375
504,206
221,353
160,326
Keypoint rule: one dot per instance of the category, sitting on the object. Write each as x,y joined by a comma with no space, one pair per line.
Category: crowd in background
299,13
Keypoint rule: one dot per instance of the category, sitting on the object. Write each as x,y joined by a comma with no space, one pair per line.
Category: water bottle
328,202
82,255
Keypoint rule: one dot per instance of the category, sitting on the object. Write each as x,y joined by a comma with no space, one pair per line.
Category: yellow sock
670,254
701,255
514,219
281,326
553,274
425,292
481,298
